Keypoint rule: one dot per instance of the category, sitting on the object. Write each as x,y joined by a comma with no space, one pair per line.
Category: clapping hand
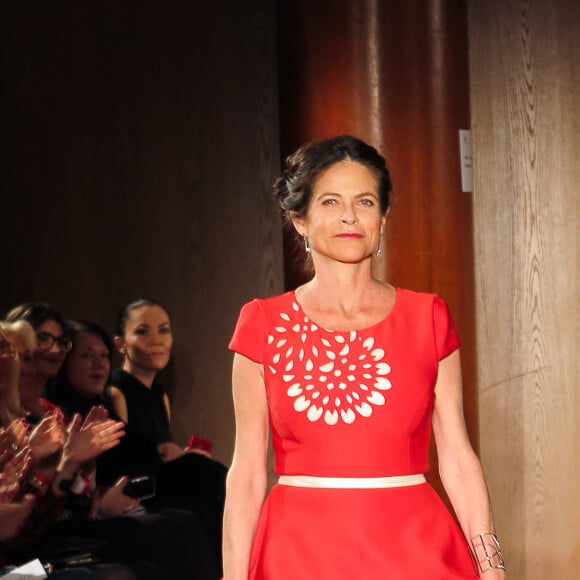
47,439
7,446
16,468
19,431
87,440
8,489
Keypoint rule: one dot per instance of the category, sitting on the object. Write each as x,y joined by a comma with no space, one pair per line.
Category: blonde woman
10,368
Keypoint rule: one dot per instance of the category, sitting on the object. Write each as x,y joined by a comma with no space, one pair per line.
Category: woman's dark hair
76,327
128,308
293,188
58,390
36,313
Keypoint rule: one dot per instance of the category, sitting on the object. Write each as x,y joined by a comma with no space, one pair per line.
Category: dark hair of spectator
36,314
125,312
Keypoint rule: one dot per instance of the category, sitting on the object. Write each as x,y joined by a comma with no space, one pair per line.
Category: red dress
352,404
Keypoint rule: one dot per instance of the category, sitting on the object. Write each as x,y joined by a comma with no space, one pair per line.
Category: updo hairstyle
293,189
125,312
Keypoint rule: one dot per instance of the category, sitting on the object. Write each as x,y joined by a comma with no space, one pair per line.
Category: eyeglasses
7,349
46,341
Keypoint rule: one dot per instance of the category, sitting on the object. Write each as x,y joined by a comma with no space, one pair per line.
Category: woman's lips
349,236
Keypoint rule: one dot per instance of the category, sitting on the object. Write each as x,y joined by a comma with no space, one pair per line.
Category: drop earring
307,245
379,249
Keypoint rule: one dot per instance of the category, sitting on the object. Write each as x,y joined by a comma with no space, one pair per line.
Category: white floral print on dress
333,376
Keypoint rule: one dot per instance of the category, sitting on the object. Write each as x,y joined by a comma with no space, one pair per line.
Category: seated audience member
9,375
176,537
14,466
26,462
86,371
52,345
185,478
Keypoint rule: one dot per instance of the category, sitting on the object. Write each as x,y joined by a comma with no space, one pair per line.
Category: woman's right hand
17,468
114,502
19,431
8,489
87,441
47,439
169,451
7,446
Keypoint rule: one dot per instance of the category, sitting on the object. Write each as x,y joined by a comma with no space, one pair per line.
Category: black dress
192,481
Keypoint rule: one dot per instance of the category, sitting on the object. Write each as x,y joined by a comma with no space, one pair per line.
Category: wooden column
394,73
525,97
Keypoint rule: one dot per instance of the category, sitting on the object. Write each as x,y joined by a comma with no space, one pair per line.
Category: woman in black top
187,478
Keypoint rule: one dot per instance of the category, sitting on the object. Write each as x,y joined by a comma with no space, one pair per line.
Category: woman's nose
349,215
98,362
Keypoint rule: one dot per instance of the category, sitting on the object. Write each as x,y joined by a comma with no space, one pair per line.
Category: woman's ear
299,224
119,344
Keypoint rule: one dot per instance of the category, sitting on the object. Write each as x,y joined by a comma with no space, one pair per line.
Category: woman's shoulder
411,297
425,305
274,301
266,306
123,381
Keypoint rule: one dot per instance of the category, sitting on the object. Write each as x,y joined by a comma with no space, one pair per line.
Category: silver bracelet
487,551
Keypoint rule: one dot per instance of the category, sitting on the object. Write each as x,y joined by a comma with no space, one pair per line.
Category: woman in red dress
349,374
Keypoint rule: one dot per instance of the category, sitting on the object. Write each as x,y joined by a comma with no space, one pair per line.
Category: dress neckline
357,330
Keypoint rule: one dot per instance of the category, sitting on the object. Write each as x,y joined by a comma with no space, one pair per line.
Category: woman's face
343,221
147,341
88,365
7,362
52,349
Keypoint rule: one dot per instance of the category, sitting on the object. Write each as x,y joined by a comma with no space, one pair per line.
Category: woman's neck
342,286
145,376
345,296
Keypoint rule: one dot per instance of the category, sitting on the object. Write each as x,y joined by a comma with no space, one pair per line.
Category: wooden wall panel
140,140
525,96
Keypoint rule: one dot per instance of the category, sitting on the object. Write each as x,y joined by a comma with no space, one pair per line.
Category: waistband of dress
352,482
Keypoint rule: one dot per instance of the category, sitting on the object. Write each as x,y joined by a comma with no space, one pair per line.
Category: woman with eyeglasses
53,344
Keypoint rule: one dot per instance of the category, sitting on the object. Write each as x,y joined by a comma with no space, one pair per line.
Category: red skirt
403,533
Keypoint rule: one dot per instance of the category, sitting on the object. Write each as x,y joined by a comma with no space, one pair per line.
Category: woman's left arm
460,469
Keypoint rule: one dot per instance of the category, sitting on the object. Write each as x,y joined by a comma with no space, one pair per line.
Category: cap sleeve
446,338
249,336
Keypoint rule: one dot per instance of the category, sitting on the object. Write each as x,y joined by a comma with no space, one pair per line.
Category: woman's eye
165,330
141,331
367,202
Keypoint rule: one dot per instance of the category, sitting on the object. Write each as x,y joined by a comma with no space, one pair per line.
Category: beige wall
525,99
